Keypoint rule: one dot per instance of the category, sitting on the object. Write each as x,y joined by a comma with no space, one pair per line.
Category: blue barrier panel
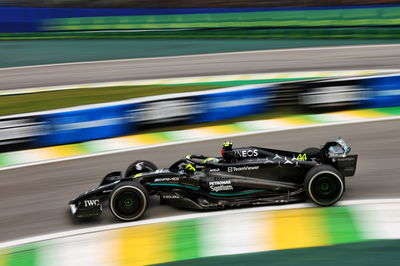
230,104
83,125
382,91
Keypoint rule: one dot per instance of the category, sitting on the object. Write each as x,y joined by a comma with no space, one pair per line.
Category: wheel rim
326,188
128,202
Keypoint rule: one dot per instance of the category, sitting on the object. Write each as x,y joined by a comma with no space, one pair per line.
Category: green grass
42,101
15,104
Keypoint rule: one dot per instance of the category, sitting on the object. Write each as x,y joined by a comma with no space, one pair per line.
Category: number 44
302,157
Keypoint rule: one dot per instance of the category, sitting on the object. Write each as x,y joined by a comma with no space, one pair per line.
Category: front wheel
128,201
324,185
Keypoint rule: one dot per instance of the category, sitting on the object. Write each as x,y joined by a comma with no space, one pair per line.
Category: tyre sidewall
312,176
133,187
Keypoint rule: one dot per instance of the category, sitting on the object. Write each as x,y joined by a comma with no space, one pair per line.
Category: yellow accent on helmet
227,144
190,168
137,175
211,159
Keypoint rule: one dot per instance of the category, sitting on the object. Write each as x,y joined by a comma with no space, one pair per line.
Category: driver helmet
227,146
335,151
226,151
211,160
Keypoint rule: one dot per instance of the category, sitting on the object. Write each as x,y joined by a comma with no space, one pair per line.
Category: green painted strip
249,82
94,146
3,160
341,225
186,239
25,255
318,119
306,118
174,185
9,158
389,110
370,253
163,136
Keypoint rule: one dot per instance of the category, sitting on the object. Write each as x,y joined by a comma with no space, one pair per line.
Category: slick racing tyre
324,185
128,201
111,177
312,152
139,167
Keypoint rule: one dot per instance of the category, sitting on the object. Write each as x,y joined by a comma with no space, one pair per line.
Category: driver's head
211,160
227,146
226,150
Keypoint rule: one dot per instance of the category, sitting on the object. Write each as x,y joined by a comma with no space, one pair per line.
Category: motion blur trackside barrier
19,132
158,113
109,120
85,124
338,94
322,95
118,119
382,91
229,104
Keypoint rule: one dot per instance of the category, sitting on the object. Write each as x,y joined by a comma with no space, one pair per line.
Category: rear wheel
139,167
128,201
324,185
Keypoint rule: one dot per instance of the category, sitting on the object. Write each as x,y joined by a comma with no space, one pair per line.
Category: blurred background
256,19
83,78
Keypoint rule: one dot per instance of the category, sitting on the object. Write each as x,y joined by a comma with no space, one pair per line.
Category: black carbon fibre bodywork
246,176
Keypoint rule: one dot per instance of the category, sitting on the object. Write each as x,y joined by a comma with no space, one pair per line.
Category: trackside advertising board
19,132
230,104
113,120
83,125
382,91
339,94
78,124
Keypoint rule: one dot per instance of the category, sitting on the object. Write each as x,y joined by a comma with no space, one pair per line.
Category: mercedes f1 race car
245,176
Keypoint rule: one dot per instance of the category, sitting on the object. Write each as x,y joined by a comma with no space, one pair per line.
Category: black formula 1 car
245,176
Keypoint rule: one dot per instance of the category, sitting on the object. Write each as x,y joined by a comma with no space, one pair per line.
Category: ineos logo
246,153
91,203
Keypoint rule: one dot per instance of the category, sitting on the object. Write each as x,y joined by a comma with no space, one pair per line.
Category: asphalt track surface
301,59
34,199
